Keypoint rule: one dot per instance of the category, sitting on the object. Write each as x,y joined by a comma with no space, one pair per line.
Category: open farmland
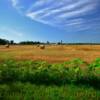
52,53
24,77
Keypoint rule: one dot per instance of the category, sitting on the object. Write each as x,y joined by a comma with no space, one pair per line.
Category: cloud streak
61,13
15,3
10,31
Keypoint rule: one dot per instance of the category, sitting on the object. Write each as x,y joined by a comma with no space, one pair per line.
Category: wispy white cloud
75,22
15,2
13,32
84,10
60,13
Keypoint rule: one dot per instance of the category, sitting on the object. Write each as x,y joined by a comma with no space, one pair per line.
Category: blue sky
50,20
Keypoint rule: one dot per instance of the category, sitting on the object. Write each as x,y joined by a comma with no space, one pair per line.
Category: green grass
27,91
39,80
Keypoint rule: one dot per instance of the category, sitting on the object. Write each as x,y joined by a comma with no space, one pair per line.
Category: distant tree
26,42
61,42
3,41
29,42
12,42
48,42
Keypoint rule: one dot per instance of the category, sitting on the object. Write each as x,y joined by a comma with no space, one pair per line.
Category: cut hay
42,46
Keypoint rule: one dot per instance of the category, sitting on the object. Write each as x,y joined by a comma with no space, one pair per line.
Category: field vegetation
36,80
51,53
57,72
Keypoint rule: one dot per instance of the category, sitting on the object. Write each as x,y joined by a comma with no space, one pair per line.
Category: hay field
52,53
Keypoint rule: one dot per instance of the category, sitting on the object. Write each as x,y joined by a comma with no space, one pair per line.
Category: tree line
4,42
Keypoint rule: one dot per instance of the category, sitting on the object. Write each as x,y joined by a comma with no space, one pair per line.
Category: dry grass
51,53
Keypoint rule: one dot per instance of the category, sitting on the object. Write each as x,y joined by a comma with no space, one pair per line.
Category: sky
50,20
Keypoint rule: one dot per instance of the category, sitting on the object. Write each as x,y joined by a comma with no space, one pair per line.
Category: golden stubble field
52,53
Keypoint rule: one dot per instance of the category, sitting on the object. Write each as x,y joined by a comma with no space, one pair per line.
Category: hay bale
38,45
7,45
42,46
